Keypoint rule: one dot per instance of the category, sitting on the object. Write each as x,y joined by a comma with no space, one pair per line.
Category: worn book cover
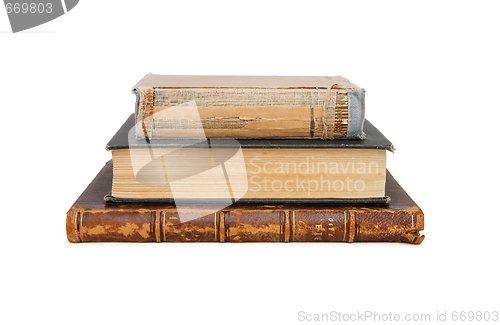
249,107
91,219
249,170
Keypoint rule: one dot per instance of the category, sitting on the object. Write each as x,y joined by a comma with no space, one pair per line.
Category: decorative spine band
288,227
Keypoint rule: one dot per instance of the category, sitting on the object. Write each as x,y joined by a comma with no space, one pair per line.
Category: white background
431,70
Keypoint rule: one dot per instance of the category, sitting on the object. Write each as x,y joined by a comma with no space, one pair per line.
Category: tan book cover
253,107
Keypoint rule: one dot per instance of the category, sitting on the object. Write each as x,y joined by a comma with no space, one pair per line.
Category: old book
248,107
91,219
249,170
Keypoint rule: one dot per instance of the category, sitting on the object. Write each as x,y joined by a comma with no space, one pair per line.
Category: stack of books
246,159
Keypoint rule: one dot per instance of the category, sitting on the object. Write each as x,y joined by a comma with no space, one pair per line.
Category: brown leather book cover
91,219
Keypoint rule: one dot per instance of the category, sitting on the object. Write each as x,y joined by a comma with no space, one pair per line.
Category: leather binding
91,219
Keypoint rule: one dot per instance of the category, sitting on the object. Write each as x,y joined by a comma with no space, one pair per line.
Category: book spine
249,113
246,225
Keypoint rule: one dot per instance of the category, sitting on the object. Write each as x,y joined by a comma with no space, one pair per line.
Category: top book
248,107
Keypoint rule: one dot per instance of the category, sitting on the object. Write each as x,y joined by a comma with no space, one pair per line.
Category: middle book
250,170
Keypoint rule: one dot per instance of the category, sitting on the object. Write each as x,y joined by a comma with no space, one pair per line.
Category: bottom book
91,219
